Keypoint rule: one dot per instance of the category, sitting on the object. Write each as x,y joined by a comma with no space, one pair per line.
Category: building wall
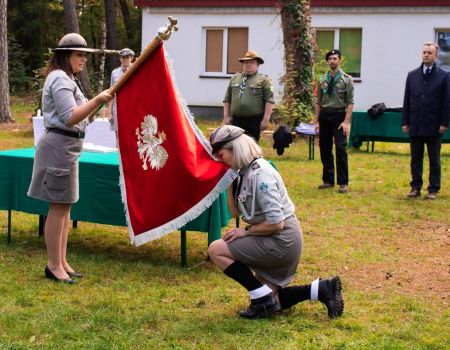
185,47
391,47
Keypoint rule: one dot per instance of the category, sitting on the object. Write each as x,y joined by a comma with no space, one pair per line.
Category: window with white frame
221,49
346,40
443,40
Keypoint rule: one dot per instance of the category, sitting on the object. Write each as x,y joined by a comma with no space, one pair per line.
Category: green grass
392,254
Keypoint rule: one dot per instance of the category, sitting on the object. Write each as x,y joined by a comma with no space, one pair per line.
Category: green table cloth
100,199
387,127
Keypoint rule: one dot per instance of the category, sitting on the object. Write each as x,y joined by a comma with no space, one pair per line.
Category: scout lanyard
79,86
238,191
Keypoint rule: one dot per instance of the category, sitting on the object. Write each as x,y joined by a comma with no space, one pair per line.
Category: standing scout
126,57
332,117
248,101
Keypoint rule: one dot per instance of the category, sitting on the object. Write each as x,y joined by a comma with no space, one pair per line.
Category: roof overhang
205,3
275,3
378,3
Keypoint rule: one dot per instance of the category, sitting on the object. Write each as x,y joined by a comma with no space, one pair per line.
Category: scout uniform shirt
262,194
116,74
248,94
60,95
341,90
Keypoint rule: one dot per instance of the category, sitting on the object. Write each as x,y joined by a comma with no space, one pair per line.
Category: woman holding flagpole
65,110
264,255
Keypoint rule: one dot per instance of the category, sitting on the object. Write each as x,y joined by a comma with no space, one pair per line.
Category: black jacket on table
426,104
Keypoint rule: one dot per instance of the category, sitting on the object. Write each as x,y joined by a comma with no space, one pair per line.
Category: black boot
330,295
261,308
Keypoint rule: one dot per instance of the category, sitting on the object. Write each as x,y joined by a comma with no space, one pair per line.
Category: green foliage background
35,26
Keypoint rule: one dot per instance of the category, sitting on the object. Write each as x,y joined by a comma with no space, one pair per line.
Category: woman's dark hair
59,60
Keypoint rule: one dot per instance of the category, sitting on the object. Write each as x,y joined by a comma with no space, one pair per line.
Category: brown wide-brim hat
251,55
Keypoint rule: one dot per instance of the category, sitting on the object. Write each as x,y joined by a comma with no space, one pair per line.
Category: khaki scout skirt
275,258
55,169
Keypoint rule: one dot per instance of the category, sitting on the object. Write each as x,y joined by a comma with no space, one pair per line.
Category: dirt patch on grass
418,264
23,121
15,127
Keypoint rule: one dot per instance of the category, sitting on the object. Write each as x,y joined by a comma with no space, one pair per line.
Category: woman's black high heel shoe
74,274
51,276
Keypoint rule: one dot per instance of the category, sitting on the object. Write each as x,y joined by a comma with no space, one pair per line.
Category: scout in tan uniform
249,99
263,257
332,117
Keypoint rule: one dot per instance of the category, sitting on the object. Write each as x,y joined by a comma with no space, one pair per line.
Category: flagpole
163,35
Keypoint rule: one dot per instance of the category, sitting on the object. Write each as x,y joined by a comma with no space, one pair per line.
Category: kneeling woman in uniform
55,169
263,257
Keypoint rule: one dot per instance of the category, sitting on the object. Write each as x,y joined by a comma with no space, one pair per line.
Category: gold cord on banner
164,34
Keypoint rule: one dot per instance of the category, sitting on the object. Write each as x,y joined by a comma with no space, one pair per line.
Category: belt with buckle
74,134
333,110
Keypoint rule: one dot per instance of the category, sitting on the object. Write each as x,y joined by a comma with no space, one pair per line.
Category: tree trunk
70,16
298,46
111,33
102,60
126,19
71,22
5,108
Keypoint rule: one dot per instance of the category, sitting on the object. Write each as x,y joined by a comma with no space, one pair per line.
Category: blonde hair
244,149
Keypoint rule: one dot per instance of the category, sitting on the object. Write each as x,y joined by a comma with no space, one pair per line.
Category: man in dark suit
426,114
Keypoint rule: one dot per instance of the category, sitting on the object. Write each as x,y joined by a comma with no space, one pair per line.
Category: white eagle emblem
149,141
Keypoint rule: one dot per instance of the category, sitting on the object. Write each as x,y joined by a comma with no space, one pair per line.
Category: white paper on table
87,146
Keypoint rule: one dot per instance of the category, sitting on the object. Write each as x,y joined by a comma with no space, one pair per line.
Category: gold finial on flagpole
165,32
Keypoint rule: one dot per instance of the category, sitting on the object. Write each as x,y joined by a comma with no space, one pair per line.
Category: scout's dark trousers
251,125
417,144
328,131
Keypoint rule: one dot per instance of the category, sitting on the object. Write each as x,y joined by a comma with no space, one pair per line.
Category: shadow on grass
445,153
361,151
110,244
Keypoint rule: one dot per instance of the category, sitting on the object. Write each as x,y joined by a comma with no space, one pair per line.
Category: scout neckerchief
242,84
330,80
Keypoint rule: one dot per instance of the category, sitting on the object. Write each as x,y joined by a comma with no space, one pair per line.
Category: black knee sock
290,296
242,275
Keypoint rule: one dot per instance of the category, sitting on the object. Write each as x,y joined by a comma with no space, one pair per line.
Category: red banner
168,176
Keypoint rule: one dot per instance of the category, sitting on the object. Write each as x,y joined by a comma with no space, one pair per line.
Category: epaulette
255,166
347,75
235,76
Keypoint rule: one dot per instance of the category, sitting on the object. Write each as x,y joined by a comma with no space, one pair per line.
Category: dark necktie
427,71
330,86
